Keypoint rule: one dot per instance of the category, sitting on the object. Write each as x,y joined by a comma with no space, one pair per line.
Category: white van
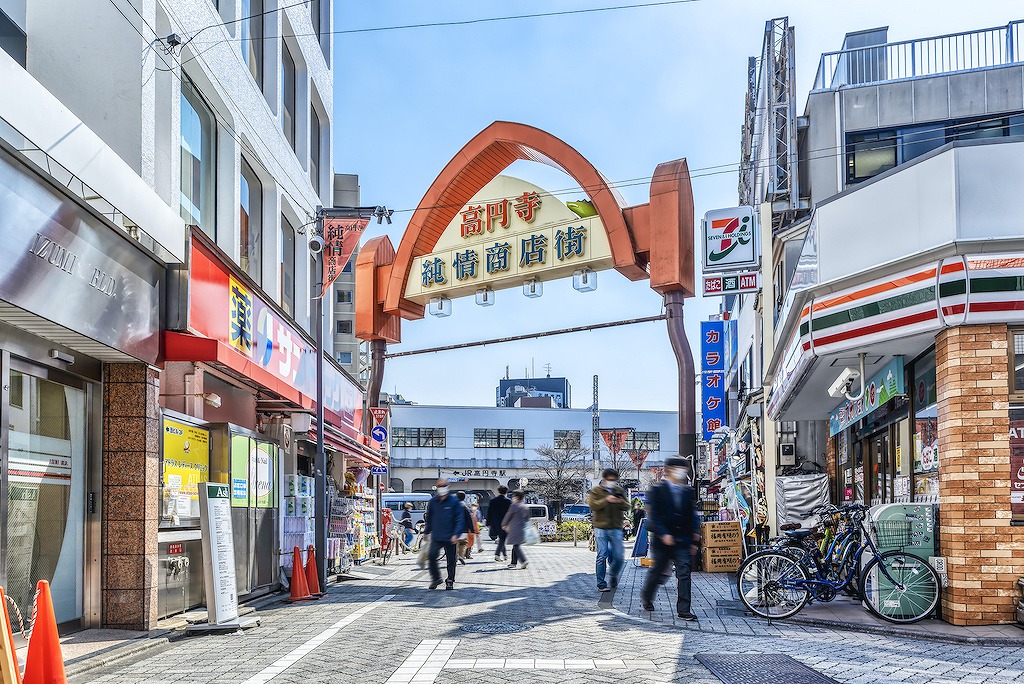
396,502
538,513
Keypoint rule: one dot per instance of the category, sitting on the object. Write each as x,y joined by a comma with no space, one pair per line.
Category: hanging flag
341,236
637,457
615,439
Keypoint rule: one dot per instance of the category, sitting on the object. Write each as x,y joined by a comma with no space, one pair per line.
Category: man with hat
675,531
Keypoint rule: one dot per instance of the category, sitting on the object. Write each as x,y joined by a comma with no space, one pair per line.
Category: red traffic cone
9,672
300,591
44,663
312,577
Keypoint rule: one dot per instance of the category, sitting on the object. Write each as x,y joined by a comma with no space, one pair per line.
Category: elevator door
42,509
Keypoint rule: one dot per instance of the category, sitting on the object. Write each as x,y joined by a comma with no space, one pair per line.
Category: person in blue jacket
445,521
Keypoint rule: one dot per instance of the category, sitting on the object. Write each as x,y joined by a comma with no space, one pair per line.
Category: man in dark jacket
608,505
675,531
445,520
496,510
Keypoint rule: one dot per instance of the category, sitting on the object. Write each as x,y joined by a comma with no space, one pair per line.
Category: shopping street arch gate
451,249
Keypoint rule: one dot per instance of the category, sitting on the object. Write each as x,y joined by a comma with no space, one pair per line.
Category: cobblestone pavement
358,634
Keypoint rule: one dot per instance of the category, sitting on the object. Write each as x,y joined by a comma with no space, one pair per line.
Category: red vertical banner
1017,464
341,236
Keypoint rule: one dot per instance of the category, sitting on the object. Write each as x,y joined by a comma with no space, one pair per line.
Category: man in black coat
675,531
496,510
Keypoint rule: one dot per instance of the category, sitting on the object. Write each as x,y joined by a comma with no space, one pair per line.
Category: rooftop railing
949,54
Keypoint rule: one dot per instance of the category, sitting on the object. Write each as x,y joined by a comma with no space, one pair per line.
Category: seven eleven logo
734,231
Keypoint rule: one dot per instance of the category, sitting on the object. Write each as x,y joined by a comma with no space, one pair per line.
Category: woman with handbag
514,523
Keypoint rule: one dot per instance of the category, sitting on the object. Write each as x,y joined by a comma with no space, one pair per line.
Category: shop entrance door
879,468
254,493
44,434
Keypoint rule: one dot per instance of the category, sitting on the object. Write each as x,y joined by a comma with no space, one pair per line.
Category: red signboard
380,414
175,549
340,239
731,283
224,308
615,439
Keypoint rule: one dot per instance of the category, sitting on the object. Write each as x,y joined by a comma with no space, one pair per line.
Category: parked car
538,513
577,512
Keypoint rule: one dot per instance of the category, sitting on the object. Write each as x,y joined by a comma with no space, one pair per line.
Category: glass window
287,248
198,142
642,441
996,128
344,296
1017,361
869,154
494,438
567,439
314,149
344,358
252,38
344,327
348,267
419,437
288,82
919,140
926,431
250,223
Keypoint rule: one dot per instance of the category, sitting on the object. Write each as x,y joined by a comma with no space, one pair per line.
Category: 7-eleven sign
730,239
380,414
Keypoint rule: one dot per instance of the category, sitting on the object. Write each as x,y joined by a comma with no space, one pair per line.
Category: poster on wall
253,473
186,464
1017,464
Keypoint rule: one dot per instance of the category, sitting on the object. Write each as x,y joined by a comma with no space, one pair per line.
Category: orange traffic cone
300,591
44,663
312,577
9,672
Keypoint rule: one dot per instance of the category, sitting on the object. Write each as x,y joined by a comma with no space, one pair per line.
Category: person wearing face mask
445,519
675,531
608,506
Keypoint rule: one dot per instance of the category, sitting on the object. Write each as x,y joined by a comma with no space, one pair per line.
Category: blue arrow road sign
379,470
379,433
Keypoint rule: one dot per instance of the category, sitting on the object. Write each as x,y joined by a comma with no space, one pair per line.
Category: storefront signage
466,474
186,464
222,307
69,267
253,472
730,240
1017,464
341,237
885,385
712,366
744,282
218,553
510,232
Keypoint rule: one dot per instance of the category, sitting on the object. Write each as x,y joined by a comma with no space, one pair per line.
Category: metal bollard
574,535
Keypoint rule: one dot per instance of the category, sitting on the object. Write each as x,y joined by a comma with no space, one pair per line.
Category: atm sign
731,283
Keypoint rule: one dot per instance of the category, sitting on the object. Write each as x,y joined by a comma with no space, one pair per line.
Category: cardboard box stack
721,546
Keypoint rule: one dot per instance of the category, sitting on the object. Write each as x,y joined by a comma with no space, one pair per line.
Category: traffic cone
9,672
44,663
300,591
312,577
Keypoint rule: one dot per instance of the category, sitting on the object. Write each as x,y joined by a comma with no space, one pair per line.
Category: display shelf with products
361,526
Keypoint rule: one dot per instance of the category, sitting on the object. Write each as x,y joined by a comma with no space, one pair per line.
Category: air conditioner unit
787,454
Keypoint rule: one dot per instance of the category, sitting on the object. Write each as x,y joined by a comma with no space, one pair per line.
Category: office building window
344,327
642,441
567,439
198,170
418,437
344,296
252,38
348,267
288,85
314,149
495,438
869,154
344,358
287,247
250,223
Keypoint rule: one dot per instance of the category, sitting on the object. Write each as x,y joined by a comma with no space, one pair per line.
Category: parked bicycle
894,585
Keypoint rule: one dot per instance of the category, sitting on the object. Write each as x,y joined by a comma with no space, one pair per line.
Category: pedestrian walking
466,540
608,506
478,519
496,510
639,513
445,521
406,522
675,527
514,525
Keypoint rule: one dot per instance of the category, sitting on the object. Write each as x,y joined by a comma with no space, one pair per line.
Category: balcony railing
949,54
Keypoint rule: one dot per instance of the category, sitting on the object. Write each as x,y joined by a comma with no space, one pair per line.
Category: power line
241,19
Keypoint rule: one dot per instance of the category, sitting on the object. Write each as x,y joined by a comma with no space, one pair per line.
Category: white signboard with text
730,240
218,552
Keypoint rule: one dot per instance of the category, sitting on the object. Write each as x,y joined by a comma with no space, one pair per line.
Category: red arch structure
652,240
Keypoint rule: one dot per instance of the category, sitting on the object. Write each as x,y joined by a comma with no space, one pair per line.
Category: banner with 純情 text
341,236
712,368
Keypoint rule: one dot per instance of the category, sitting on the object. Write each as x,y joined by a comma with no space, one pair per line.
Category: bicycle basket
892,533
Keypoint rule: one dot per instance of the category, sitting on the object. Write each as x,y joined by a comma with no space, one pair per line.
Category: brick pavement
556,596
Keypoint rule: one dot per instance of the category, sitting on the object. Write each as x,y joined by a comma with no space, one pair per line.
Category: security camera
844,383
316,244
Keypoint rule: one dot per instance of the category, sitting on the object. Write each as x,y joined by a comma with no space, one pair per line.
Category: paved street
391,629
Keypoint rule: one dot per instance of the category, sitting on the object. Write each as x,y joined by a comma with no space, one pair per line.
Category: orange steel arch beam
481,160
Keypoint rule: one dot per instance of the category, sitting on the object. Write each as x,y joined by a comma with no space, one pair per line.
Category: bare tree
561,474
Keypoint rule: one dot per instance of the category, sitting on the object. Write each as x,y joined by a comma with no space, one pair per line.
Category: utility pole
595,429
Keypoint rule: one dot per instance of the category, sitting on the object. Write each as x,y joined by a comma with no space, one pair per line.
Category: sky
628,89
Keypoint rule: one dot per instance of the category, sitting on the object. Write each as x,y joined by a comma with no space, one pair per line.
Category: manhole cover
496,627
764,668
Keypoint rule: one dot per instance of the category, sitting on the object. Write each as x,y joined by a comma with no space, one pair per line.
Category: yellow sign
186,464
510,232
899,458
240,327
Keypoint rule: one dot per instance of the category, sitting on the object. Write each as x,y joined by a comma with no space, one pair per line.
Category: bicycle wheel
900,587
385,551
767,585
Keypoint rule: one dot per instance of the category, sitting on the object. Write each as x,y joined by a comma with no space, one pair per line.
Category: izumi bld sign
730,239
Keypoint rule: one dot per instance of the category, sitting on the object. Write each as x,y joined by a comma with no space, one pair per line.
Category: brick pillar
974,476
131,505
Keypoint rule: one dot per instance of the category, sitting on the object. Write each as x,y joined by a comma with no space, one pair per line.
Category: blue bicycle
896,586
